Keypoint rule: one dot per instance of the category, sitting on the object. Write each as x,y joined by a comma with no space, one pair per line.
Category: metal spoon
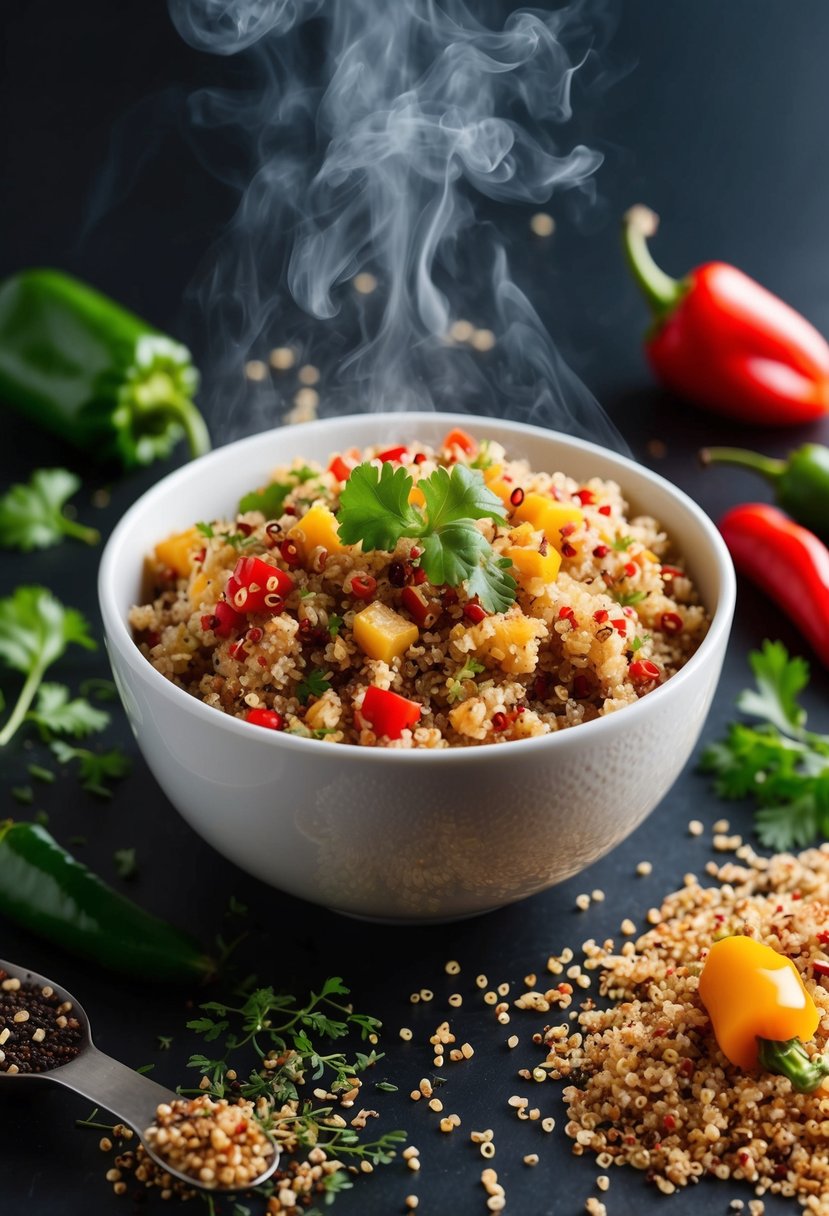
106,1082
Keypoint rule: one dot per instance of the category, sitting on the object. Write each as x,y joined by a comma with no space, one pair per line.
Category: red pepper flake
414,552
419,576
582,686
261,660
601,551
567,550
517,496
419,458
363,586
605,510
289,552
820,967
669,1123
567,529
669,572
392,455
254,634
620,625
201,555
585,497
475,613
797,894
630,569
643,671
671,622
289,510
500,722
823,937
686,1068
244,528
237,651
449,596
601,614
567,614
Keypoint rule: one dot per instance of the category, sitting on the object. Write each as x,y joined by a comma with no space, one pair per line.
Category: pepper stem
789,1058
661,291
157,401
766,466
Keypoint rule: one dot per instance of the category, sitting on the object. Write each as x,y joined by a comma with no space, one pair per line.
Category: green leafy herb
483,460
41,774
386,1087
126,865
625,598
238,540
54,713
94,768
24,794
314,685
35,629
206,530
638,643
375,510
334,624
270,501
145,1068
165,1041
781,764
31,516
621,543
470,669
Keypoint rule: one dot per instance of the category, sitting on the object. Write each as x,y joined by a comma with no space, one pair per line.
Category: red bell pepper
257,586
223,620
787,561
458,438
727,343
387,713
392,454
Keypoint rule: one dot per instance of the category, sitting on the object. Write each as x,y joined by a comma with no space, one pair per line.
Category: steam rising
367,136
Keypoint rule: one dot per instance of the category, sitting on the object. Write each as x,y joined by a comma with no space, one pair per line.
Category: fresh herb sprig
32,515
57,713
95,769
375,510
780,763
35,630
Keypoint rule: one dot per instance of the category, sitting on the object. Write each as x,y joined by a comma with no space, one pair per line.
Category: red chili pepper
460,439
727,343
392,454
387,713
265,717
787,561
256,586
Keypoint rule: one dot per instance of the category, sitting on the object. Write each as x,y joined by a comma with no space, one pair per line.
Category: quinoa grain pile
216,1143
646,1084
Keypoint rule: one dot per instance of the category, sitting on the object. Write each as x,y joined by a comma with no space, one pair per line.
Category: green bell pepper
86,369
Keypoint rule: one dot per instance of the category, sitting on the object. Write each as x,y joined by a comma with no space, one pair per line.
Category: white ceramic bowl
412,835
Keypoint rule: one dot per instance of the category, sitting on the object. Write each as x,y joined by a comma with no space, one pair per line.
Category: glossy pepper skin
45,890
760,1011
801,483
786,561
79,365
727,343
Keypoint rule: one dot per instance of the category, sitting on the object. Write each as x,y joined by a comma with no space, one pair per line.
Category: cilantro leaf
31,515
94,768
375,507
334,624
458,495
35,629
491,583
779,680
55,713
626,598
621,543
269,501
125,863
780,763
314,685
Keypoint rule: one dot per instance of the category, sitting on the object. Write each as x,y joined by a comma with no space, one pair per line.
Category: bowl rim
118,634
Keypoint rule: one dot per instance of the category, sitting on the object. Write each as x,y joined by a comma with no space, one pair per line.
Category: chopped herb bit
238,540
94,768
35,629
32,517
24,794
54,713
622,542
304,473
145,1068
626,598
784,767
206,530
483,460
334,624
638,643
375,510
386,1087
270,501
314,685
42,818
125,863
165,1042
41,774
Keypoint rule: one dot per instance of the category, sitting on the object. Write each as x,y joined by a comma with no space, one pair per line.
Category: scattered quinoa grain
583,902
453,967
644,868
695,828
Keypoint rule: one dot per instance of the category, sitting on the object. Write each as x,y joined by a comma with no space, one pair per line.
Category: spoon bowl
107,1082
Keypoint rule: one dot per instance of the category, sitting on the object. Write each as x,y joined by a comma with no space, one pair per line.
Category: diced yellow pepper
493,473
198,586
176,552
548,516
416,497
502,488
532,564
317,528
382,633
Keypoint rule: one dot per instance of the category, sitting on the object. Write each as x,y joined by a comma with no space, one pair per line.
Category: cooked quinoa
603,612
647,1083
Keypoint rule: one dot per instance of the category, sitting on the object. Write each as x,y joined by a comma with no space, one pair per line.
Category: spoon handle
109,1083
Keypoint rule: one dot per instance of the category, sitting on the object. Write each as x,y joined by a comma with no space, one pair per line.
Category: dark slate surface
718,120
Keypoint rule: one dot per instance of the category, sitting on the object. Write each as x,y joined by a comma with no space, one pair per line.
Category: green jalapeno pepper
86,369
801,483
45,890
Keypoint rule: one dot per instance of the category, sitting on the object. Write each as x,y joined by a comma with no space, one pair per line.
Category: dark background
717,118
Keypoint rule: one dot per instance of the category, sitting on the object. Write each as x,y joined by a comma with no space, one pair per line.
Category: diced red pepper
392,454
256,586
605,510
340,469
586,497
643,671
461,439
266,717
475,612
224,620
387,713
423,611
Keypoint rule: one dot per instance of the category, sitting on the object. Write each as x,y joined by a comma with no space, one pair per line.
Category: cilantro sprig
32,515
779,762
95,769
35,630
375,510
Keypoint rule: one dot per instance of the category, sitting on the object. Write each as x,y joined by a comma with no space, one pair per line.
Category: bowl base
413,922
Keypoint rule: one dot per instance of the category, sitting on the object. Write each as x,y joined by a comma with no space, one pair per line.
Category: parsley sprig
780,763
32,516
375,510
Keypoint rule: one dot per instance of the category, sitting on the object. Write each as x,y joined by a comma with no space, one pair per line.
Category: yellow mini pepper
760,1011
